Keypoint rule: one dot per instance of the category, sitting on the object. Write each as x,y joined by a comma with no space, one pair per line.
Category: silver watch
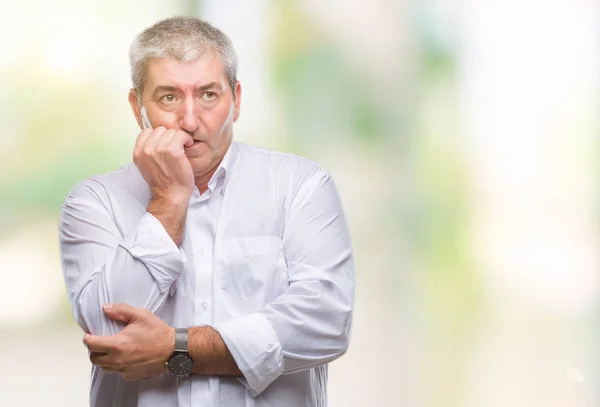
180,363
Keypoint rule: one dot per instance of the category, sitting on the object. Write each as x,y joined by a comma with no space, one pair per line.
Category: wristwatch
180,363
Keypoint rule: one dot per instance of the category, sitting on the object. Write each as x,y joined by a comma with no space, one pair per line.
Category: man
207,272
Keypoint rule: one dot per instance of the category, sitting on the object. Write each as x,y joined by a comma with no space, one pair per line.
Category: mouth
196,142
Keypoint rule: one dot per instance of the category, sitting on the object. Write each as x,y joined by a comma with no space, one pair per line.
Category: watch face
180,364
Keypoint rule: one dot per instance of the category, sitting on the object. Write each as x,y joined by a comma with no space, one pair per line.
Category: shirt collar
221,175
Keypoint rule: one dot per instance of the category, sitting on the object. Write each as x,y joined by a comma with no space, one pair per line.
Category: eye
209,96
170,98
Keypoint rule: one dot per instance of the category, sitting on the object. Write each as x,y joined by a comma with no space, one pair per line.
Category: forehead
170,72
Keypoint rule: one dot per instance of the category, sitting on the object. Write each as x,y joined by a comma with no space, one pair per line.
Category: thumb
121,312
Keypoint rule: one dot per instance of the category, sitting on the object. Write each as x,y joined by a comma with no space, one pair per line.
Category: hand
140,350
160,156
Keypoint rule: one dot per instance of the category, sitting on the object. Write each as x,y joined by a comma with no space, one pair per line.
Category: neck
201,181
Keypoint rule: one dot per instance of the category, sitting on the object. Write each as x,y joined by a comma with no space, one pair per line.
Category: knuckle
108,369
120,345
175,150
147,151
128,377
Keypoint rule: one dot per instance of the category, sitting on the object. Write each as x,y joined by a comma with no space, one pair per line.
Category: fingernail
107,307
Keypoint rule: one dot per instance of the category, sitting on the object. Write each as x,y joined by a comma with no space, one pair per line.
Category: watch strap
181,340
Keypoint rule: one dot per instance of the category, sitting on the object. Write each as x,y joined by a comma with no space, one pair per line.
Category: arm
100,265
309,324
210,354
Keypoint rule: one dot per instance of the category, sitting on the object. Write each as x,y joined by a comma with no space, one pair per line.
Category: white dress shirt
265,259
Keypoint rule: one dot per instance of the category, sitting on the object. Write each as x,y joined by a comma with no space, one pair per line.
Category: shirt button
204,305
201,251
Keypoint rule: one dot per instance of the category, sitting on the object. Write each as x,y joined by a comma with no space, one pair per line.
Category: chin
200,164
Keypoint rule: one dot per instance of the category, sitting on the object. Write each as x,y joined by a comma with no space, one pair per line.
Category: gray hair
184,39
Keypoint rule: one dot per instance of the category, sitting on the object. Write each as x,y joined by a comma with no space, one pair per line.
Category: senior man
207,272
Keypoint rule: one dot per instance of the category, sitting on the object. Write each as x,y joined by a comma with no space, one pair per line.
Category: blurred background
463,137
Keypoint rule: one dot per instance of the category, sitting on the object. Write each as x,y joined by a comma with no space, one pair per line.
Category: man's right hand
160,156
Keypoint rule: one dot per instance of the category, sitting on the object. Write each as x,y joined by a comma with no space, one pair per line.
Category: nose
188,120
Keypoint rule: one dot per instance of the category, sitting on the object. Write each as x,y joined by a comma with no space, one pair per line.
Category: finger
141,139
97,343
184,139
155,138
131,377
175,139
123,312
100,359
145,135
107,364
141,144
111,369
164,142
146,141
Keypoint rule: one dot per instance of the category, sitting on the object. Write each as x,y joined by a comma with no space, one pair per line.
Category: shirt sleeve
101,265
310,323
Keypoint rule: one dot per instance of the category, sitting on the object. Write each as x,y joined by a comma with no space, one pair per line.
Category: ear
238,100
133,102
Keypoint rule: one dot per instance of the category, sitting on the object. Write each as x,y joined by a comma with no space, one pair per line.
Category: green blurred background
462,135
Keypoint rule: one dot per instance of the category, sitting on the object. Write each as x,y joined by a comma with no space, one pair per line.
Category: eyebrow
168,88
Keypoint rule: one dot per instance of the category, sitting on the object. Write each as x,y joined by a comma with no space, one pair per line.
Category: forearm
210,354
306,327
300,330
171,211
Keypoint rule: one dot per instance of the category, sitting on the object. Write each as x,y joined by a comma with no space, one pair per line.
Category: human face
194,97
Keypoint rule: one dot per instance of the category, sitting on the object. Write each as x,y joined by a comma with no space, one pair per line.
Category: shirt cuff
151,244
254,345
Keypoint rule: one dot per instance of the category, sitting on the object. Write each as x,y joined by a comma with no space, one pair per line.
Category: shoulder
287,166
290,176
104,187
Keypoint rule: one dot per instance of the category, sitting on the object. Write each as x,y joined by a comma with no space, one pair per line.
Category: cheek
216,126
166,119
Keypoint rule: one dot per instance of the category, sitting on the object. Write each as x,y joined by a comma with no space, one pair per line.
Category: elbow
344,345
80,320
88,314
342,331
80,307
85,315
343,340
336,339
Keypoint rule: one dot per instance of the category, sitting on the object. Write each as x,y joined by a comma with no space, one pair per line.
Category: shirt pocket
251,271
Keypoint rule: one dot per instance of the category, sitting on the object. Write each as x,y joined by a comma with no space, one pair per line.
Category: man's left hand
140,350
